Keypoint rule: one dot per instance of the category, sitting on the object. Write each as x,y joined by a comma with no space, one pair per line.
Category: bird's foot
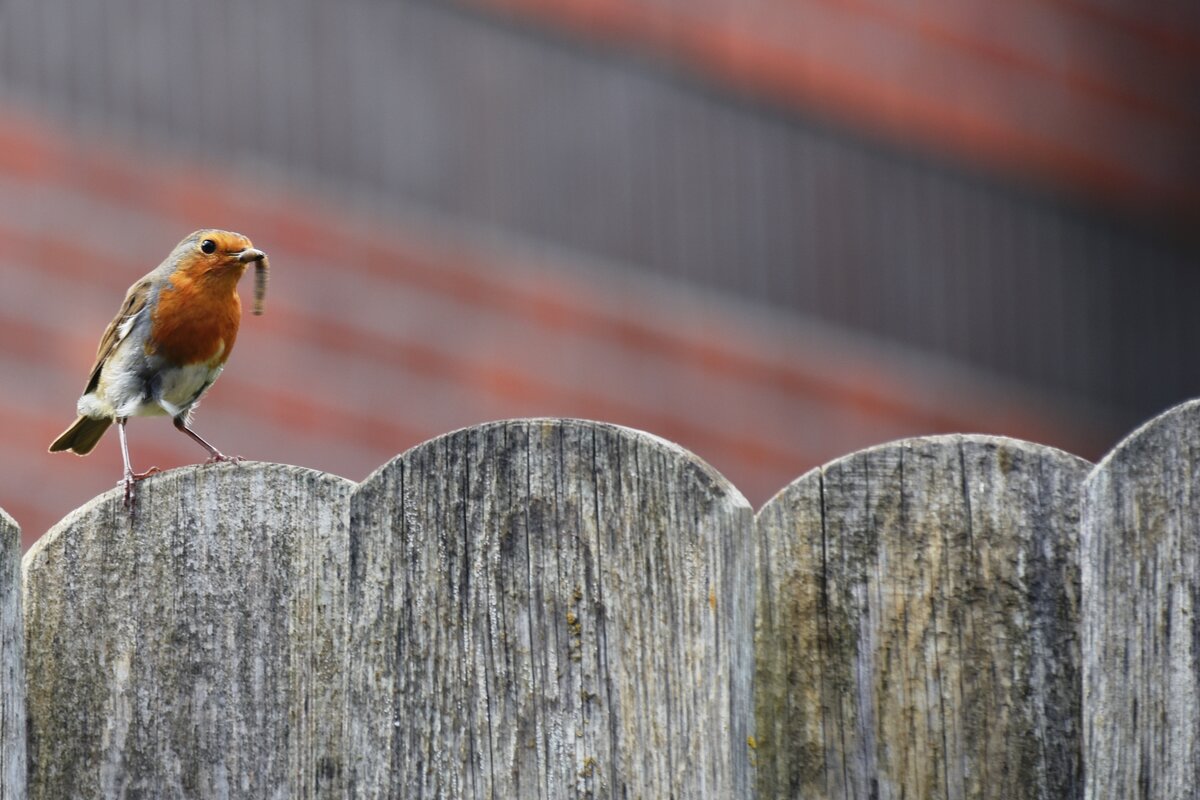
130,479
221,458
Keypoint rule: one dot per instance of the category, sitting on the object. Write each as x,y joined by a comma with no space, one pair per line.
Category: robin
168,344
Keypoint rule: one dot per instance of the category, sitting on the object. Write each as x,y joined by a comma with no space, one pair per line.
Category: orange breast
195,321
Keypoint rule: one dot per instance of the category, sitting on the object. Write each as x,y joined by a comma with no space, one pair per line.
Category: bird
167,345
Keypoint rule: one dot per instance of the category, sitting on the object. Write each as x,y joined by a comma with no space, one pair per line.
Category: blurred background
775,231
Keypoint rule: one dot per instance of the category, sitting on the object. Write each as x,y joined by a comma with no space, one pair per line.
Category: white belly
135,385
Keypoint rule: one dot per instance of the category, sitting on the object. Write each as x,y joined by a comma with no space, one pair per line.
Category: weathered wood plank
1141,613
546,609
12,664
556,608
193,648
917,625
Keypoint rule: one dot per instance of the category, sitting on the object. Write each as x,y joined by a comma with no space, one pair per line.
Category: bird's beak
251,254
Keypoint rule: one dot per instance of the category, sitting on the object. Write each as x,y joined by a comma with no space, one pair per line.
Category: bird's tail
82,436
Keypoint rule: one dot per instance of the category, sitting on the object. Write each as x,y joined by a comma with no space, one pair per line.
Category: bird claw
221,458
130,479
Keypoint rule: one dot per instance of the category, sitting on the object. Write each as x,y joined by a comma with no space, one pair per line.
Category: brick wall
382,330
775,232
1095,95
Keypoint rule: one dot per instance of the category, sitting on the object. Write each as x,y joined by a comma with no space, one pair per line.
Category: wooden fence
556,608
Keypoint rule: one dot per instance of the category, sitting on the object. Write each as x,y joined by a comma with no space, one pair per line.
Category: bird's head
223,256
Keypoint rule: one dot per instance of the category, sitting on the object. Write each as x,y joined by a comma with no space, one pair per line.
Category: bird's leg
130,476
214,455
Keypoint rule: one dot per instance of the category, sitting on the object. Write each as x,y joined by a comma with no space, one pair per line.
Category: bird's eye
208,247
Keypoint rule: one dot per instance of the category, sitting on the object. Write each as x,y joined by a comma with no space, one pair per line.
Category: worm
260,285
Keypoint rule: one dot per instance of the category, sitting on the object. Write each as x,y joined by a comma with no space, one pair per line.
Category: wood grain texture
191,649
12,664
549,609
526,609
558,608
917,625
1141,601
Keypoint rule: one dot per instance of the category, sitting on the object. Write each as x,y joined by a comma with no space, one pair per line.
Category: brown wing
135,301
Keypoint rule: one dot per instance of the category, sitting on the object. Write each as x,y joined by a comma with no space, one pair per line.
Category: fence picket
180,651
1141,624
917,622
12,664
568,604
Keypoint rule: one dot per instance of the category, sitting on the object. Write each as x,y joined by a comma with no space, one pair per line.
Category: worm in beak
260,284
260,275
